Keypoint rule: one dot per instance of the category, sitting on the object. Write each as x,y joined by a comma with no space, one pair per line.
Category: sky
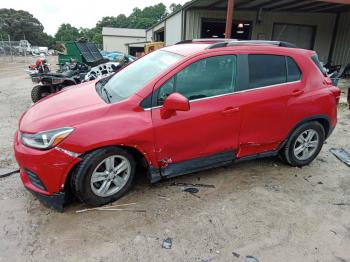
79,13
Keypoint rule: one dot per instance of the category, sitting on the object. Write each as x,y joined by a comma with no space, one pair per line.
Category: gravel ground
260,208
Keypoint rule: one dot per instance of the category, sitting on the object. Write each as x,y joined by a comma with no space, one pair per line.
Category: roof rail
220,40
251,42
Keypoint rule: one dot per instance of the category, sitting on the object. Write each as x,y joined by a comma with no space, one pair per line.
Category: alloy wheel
306,144
110,175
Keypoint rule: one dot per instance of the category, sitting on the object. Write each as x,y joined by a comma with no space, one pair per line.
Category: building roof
127,32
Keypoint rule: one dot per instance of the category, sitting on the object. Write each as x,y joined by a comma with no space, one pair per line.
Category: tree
51,41
139,18
148,16
20,25
66,32
175,7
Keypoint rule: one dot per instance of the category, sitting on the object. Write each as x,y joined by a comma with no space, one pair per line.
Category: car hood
68,107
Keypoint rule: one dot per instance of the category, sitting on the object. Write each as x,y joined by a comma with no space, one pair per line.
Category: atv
49,83
72,73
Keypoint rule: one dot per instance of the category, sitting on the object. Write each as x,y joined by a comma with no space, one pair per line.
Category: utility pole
229,18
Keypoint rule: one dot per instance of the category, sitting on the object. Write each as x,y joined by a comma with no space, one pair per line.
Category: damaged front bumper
55,201
44,173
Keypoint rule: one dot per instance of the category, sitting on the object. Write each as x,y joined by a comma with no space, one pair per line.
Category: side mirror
175,102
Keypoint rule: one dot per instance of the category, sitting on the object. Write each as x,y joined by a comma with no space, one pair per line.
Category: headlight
46,139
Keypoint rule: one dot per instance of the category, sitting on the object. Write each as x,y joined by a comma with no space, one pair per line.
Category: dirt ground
260,208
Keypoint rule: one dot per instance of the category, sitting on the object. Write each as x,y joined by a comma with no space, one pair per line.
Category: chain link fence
14,51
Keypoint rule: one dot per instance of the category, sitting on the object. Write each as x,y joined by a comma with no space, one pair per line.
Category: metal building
116,39
322,25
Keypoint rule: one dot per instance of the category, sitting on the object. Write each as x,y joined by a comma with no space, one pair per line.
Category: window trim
233,93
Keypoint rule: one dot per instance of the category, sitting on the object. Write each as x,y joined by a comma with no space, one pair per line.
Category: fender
323,119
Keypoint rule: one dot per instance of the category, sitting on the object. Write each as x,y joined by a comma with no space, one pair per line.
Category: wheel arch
324,120
140,159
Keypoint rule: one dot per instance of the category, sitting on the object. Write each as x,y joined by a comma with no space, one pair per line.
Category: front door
207,134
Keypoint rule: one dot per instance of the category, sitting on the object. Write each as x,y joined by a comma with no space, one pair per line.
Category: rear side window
294,73
317,62
266,70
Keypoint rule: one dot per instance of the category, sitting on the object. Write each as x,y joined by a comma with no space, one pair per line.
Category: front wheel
304,144
104,176
39,92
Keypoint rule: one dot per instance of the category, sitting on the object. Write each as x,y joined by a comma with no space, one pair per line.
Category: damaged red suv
181,109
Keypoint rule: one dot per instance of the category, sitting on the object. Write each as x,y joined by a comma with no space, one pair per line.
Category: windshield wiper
108,95
100,86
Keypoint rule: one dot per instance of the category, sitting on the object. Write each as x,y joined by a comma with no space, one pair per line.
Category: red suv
178,110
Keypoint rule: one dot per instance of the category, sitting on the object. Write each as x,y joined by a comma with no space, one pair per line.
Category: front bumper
44,172
55,201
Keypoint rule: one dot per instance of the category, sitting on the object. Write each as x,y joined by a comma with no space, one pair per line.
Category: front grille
35,180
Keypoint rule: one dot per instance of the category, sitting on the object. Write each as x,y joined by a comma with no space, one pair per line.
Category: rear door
207,134
271,80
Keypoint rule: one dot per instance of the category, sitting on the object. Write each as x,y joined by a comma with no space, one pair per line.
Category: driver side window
205,78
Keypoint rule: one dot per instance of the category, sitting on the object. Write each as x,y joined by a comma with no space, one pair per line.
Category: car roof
186,49
191,48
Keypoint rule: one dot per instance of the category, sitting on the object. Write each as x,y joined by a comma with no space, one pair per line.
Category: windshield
132,78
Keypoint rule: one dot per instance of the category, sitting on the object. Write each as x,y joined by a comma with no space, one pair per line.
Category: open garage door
215,28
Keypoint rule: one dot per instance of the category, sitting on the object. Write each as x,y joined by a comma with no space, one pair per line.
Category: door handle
230,110
297,92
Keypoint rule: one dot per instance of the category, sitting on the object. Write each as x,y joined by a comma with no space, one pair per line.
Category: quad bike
72,73
53,82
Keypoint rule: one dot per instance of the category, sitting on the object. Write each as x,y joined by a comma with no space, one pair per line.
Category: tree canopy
66,32
20,25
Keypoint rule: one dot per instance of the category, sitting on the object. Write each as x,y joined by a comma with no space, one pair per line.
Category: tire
294,152
94,167
39,92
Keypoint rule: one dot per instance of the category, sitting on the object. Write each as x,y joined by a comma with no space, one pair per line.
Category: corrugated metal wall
341,53
323,22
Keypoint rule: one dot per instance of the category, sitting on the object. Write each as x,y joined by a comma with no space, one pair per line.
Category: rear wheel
104,176
304,144
39,92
